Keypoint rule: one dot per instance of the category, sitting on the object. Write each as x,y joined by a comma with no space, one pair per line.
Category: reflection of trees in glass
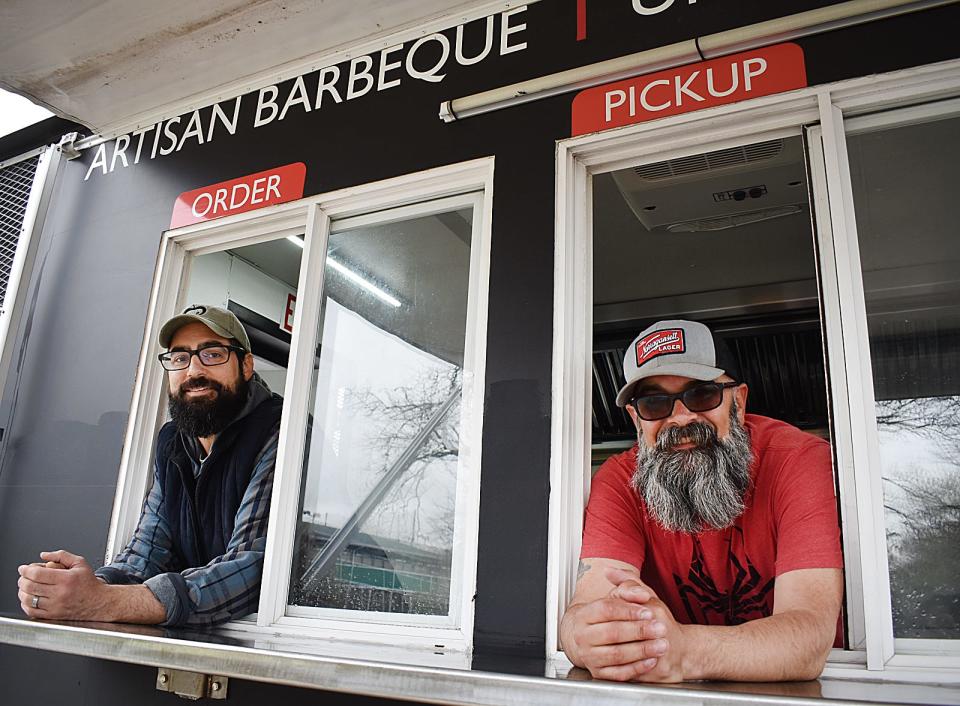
922,500
398,557
399,415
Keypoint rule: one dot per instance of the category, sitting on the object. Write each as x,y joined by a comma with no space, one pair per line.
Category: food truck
442,225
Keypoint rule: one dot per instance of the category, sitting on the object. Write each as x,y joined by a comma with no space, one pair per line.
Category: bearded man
197,553
711,549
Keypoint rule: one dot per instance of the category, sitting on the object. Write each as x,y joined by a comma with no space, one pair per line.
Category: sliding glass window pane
378,498
905,186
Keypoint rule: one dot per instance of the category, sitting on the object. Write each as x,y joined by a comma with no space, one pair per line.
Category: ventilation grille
708,161
15,184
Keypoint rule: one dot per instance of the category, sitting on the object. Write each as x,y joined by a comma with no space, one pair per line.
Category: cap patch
666,342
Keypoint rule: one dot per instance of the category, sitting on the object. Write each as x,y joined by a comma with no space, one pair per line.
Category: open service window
366,310
818,248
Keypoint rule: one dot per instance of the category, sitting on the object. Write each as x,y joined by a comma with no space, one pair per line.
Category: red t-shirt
725,577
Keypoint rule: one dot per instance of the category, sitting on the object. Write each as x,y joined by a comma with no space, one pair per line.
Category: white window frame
277,612
896,652
459,185
874,654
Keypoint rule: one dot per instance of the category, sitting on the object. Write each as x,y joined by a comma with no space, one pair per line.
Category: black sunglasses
701,398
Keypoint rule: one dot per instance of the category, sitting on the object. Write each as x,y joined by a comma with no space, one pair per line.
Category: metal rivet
215,686
163,678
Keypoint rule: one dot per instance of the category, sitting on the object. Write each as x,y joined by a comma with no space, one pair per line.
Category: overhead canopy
110,64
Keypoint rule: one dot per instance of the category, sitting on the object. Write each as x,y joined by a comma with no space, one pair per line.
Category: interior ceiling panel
104,63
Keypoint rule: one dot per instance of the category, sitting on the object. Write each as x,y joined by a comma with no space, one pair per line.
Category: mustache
700,488
697,433
198,382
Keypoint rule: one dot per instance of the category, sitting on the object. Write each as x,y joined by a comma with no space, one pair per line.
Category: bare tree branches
400,414
923,514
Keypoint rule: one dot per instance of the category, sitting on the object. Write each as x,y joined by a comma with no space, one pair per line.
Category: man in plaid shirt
197,553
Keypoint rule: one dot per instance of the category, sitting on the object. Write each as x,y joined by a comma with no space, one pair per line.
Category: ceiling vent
763,180
708,161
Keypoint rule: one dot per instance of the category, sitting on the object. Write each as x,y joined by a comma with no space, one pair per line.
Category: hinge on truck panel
191,685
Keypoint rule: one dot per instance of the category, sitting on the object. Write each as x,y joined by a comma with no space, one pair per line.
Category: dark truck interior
721,237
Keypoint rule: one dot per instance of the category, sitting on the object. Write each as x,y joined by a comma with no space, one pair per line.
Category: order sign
692,87
240,195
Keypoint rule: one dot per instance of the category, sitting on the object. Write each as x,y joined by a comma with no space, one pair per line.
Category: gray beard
699,488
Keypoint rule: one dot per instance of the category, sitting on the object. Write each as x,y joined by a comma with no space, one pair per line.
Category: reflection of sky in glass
905,454
362,369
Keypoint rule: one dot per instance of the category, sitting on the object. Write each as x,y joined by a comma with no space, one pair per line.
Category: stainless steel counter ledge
424,683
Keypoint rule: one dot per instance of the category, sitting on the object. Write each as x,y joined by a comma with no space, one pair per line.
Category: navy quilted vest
200,512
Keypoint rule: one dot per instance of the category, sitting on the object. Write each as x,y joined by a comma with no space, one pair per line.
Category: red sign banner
240,195
729,79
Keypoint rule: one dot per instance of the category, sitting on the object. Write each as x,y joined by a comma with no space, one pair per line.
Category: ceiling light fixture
358,280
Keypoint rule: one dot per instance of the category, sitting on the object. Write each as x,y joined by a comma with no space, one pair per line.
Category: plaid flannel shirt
228,586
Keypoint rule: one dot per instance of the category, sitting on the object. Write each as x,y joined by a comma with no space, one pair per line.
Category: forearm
783,647
132,604
64,587
227,588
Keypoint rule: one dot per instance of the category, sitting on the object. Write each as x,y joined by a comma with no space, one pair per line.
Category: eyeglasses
701,398
208,355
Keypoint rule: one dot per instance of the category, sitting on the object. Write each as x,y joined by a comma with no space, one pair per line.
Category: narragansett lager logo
659,343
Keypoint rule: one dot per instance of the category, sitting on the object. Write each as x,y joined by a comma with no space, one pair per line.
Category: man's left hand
64,587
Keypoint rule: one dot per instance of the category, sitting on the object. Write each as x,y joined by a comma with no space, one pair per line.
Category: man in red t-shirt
711,550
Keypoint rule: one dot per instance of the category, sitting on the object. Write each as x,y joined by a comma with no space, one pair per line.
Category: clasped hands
62,586
628,635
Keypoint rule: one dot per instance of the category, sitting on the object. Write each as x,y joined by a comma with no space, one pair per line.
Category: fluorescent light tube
353,276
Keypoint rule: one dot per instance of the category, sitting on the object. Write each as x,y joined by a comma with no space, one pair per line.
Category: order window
366,310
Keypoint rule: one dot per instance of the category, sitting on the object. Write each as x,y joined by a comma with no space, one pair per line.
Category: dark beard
204,417
699,488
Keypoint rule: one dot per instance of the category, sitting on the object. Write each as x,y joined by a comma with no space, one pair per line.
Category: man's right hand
613,636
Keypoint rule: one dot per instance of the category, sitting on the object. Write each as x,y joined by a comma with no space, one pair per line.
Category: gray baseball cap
675,347
219,320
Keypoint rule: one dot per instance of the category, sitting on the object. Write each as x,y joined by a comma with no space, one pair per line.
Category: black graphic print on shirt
706,604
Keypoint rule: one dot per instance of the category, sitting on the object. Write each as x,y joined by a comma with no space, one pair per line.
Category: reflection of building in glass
374,573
